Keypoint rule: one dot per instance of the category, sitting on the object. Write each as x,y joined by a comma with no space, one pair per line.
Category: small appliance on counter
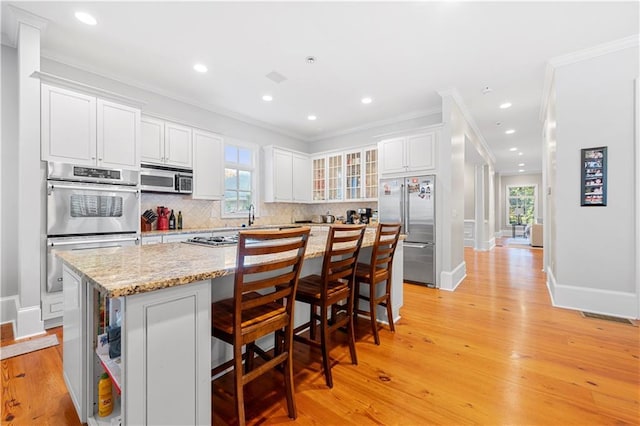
352,217
365,215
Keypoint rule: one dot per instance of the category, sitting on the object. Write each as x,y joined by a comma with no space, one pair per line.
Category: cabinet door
301,177
118,135
335,177
208,166
282,175
68,132
420,152
152,135
353,174
392,155
177,145
371,173
152,239
319,179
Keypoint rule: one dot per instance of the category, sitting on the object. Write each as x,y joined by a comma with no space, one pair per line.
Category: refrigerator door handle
407,197
402,222
413,245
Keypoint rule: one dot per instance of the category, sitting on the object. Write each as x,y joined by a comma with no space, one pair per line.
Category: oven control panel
93,172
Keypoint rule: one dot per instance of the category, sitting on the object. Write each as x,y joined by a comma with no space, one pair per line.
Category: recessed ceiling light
505,105
521,170
513,149
311,117
310,60
85,18
267,98
498,123
486,89
521,165
520,153
200,68
510,132
366,100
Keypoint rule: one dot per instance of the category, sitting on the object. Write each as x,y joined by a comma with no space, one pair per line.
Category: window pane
230,206
230,154
244,156
244,180
244,200
230,179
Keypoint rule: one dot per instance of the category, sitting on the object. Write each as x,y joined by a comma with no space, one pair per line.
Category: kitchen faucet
252,214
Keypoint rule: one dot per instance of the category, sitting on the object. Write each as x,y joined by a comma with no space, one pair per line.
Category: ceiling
399,54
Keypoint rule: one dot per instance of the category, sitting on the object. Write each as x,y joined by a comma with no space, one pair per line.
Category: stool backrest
387,236
269,263
341,254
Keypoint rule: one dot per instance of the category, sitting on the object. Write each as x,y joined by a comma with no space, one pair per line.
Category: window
239,179
521,204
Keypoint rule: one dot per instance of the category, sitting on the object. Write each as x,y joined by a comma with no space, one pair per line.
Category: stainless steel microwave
165,179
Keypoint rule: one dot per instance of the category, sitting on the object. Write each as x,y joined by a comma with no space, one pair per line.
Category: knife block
145,226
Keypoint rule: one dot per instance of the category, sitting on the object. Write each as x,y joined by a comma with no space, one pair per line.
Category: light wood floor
493,352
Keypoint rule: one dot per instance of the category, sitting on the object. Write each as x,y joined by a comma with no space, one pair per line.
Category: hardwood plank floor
493,352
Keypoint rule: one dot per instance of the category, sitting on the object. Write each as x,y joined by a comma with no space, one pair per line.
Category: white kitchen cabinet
287,176
208,166
166,143
414,153
165,341
346,176
151,239
85,130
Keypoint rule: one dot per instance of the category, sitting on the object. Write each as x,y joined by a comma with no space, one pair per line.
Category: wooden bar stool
334,285
268,267
378,271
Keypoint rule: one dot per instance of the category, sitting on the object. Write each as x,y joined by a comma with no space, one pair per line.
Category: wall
515,180
469,191
594,260
9,171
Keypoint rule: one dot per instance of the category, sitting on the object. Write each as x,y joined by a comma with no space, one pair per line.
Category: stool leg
372,314
237,349
288,374
324,345
388,303
356,301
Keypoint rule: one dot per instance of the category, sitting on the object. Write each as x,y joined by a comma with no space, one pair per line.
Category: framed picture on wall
593,182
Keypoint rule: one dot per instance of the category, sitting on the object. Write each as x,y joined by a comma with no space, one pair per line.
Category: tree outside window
238,179
521,204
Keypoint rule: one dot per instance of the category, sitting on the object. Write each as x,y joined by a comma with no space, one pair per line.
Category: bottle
172,221
179,220
105,400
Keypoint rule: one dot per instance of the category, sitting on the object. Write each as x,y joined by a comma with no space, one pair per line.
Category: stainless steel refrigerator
411,201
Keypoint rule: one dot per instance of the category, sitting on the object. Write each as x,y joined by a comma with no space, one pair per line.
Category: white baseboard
487,245
29,322
598,301
469,242
451,280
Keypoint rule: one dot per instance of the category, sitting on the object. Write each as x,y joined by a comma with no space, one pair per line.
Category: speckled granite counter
137,269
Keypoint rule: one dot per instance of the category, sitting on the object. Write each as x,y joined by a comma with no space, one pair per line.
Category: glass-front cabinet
346,176
319,179
334,177
371,173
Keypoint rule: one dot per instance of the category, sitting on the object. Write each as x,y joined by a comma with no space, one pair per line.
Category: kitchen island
163,295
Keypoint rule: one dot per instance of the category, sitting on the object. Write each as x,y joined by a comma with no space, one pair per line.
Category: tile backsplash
197,214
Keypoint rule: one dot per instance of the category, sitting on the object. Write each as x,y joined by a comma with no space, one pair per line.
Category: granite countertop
131,270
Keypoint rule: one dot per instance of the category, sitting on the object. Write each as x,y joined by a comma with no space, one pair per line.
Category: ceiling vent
276,77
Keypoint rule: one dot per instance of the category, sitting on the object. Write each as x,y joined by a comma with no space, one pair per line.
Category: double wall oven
88,207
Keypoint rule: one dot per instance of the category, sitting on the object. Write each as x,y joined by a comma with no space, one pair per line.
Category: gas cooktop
214,241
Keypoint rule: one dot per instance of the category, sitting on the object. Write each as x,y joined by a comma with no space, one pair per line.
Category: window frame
254,168
507,198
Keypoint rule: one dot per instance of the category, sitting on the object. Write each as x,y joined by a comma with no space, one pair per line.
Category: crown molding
579,56
380,123
457,98
167,94
20,16
70,84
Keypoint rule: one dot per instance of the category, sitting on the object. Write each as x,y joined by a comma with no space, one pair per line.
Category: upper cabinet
287,176
208,166
166,143
346,176
85,130
412,153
